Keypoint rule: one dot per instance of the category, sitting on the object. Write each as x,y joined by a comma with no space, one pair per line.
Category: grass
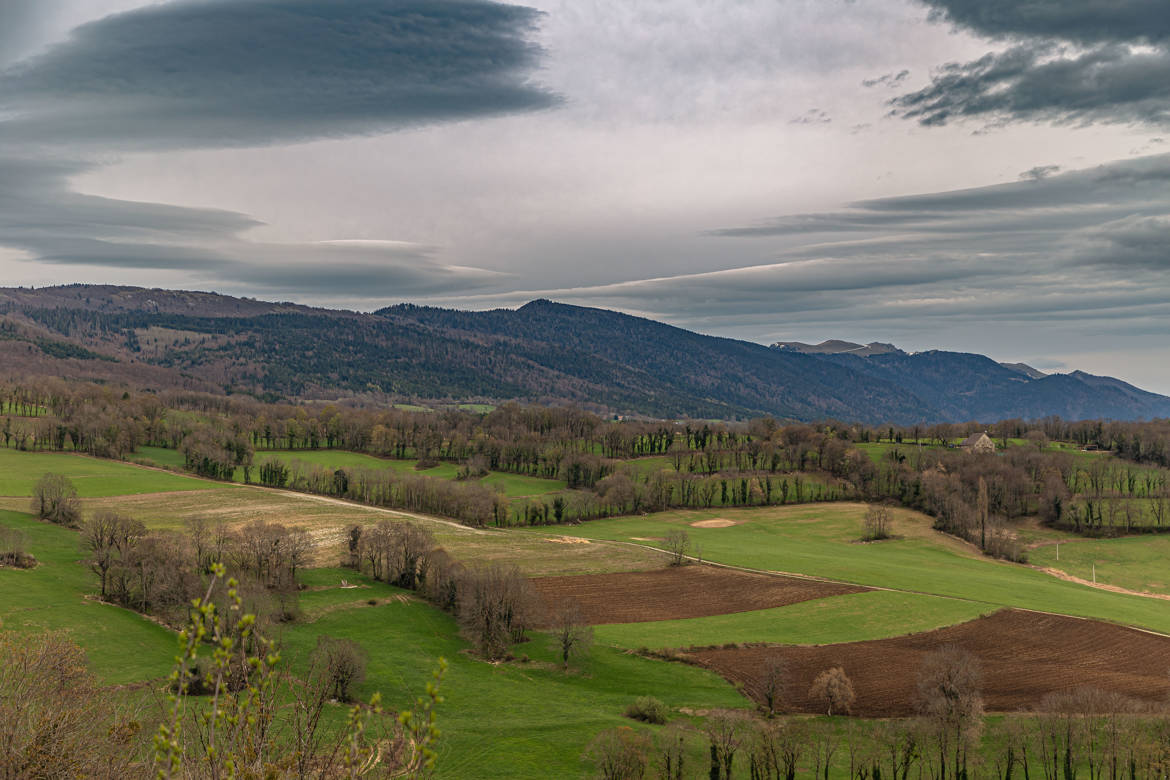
820,540
855,617
93,477
163,457
505,720
122,646
498,721
511,485
543,554
1134,562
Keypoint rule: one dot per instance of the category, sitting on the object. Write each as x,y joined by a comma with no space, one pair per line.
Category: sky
975,175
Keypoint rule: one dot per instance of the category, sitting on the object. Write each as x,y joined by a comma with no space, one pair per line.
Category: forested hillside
542,352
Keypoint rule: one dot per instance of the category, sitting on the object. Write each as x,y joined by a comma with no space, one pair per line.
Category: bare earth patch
566,540
715,522
681,592
1024,655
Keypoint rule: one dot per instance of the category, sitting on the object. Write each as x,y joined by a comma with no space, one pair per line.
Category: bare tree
55,499
951,703
619,754
572,635
877,523
108,536
726,731
834,689
339,665
773,682
496,606
670,752
678,544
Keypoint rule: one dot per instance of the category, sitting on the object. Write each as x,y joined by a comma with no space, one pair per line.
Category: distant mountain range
542,352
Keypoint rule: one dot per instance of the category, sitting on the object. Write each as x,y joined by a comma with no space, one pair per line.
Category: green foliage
648,710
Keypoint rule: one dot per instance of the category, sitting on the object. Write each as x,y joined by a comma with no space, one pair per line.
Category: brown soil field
681,592
1024,655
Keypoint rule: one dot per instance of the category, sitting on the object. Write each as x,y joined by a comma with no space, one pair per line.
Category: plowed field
681,592
1024,655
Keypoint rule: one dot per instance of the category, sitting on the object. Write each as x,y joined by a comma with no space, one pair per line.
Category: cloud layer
1065,250
247,72
1069,61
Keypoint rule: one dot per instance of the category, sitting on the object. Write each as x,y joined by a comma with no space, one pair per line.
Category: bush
55,499
19,560
648,710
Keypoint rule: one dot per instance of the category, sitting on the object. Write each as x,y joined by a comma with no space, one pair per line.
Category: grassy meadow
511,485
822,540
529,718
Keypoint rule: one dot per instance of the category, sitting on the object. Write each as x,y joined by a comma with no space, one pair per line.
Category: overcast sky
976,175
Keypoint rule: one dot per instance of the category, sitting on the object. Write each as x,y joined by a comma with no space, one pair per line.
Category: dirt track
681,592
1024,656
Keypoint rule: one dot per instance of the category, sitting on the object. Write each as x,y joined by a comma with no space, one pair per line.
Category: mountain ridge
542,352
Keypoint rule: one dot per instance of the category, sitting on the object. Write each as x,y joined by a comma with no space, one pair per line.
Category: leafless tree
55,499
773,682
950,701
834,689
726,731
678,544
339,665
496,606
877,522
619,754
572,634
108,536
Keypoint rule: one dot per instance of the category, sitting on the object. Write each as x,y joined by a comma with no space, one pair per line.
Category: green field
505,720
511,485
122,646
820,540
1135,562
854,617
522,719
93,477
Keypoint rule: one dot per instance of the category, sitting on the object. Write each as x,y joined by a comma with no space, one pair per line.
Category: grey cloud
888,80
246,72
1071,61
1085,245
1059,201
1135,241
1028,82
814,116
1039,172
38,214
1083,21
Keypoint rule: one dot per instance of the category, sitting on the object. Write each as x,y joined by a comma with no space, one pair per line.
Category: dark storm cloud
246,72
1081,21
1108,84
1070,61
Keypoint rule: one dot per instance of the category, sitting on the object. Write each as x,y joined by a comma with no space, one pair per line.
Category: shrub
55,499
648,710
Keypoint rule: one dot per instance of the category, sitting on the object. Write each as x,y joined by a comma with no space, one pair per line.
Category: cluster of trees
1082,732
758,463
495,605
160,573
